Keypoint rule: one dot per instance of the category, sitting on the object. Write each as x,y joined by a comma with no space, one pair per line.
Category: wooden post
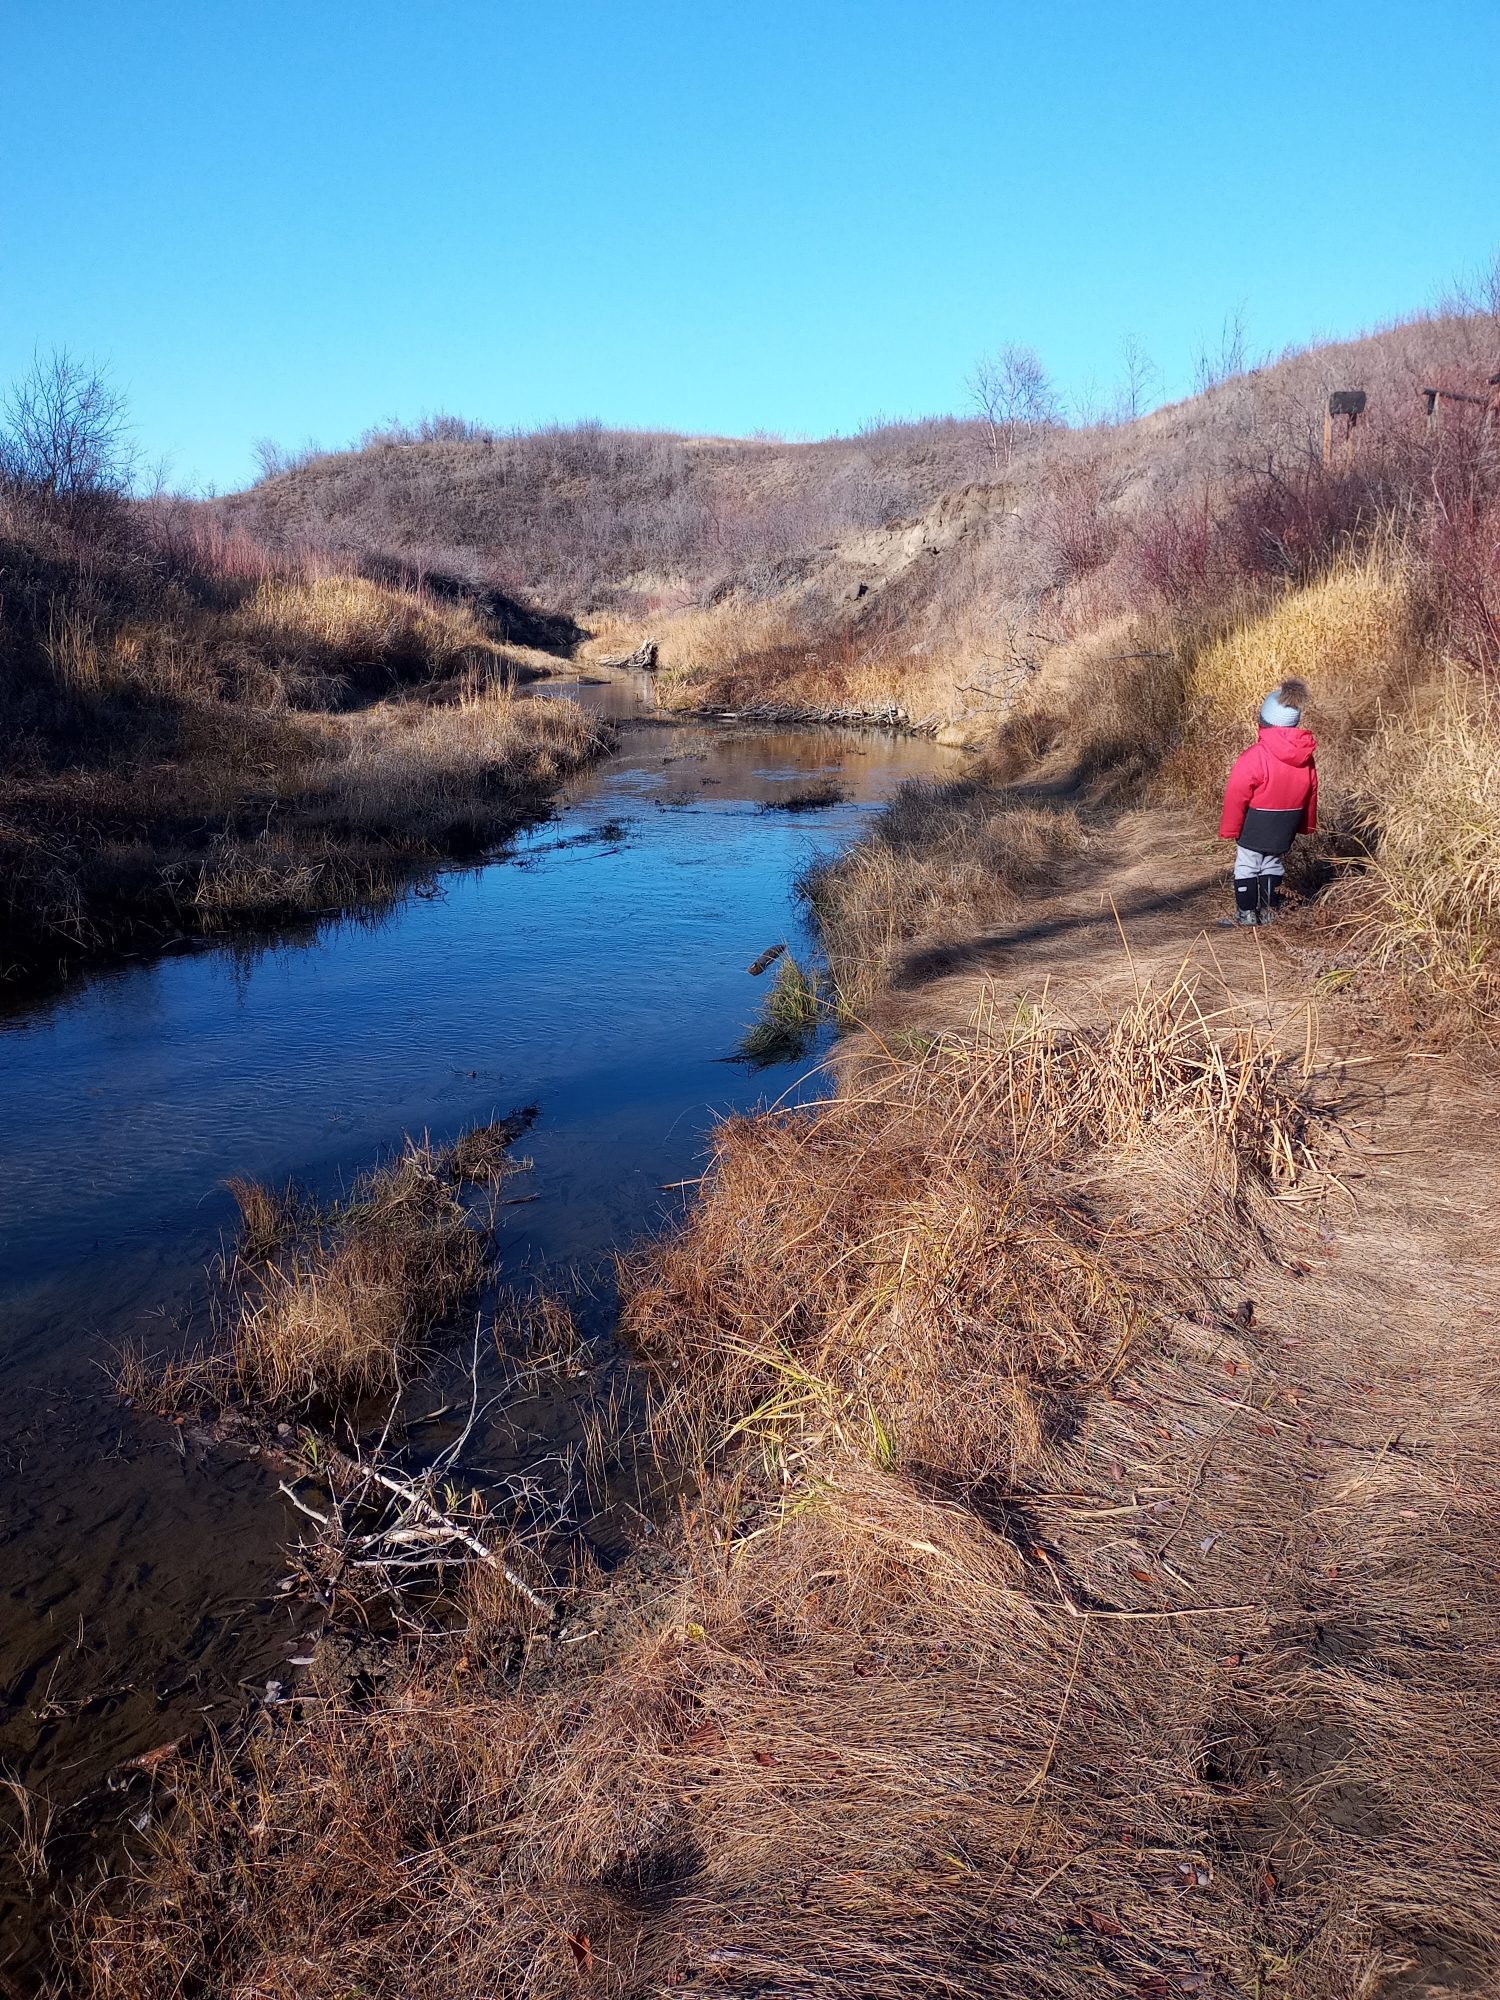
1347,406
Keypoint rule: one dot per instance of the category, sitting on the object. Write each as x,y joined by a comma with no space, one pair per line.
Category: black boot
1274,896
1246,902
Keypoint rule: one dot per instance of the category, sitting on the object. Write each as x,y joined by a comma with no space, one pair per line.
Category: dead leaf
1104,1924
583,1951
763,1757
151,1760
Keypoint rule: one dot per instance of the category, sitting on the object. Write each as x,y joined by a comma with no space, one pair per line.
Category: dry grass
365,624
1428,906
789,1017
943,861
840,1736
196,735
929,1266
332,1304
269,1217
262,818
1349,635
339,1316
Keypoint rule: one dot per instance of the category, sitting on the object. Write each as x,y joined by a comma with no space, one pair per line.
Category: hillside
938,563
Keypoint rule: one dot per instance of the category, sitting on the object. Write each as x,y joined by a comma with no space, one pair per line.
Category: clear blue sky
294,220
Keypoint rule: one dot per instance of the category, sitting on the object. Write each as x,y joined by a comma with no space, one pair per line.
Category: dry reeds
1428,907
1348,635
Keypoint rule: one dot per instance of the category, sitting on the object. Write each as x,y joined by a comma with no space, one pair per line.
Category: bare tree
271,459
1012,393
1141,373
1210,368
66,432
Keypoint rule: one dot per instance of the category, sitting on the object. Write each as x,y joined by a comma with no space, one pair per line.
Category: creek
596,969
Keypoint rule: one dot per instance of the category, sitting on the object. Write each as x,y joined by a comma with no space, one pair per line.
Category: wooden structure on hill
1345,408
1442,401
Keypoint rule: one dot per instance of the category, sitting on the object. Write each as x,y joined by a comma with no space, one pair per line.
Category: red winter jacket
1272,794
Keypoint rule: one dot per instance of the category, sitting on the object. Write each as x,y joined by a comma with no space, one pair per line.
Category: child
1271,797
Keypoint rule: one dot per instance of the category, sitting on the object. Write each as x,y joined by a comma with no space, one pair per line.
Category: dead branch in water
642,660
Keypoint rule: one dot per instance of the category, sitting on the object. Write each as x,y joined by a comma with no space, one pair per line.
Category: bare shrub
66,439
1011,393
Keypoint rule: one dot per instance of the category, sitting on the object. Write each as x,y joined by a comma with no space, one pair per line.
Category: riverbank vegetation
1104,598
327,1305
199,735
815,1739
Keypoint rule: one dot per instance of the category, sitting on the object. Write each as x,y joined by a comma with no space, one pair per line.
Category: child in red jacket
1271,797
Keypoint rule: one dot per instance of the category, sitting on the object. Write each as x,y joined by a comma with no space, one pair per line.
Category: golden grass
363,623
928,1266
1428,906
1348,636
340,1314
269,1217
941,862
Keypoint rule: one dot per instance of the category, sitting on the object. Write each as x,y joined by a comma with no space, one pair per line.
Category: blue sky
295,220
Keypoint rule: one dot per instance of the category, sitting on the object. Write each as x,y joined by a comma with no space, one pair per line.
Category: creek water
596,969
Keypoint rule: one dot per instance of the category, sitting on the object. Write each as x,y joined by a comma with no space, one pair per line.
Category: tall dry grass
1349,635
929,1266
1428,907
941,862
366,625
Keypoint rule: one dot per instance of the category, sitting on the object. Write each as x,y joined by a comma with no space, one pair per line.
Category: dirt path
1331,1456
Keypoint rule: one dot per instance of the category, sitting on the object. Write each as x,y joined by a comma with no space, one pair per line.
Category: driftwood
642,660
768,957
410,1528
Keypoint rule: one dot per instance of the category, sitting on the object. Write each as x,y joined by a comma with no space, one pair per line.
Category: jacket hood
1288,746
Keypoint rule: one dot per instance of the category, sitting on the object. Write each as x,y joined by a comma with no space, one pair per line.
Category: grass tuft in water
789,1017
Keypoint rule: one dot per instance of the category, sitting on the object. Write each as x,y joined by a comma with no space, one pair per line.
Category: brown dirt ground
1332,1457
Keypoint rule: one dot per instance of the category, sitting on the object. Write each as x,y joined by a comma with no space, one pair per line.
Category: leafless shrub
66,437
1012,394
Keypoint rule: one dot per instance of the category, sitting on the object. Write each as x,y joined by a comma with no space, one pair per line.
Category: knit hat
1282,707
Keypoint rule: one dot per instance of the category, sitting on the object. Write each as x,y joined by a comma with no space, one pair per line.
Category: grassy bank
814,1740
197,736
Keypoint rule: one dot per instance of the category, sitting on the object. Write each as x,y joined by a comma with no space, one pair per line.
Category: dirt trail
1331,1456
